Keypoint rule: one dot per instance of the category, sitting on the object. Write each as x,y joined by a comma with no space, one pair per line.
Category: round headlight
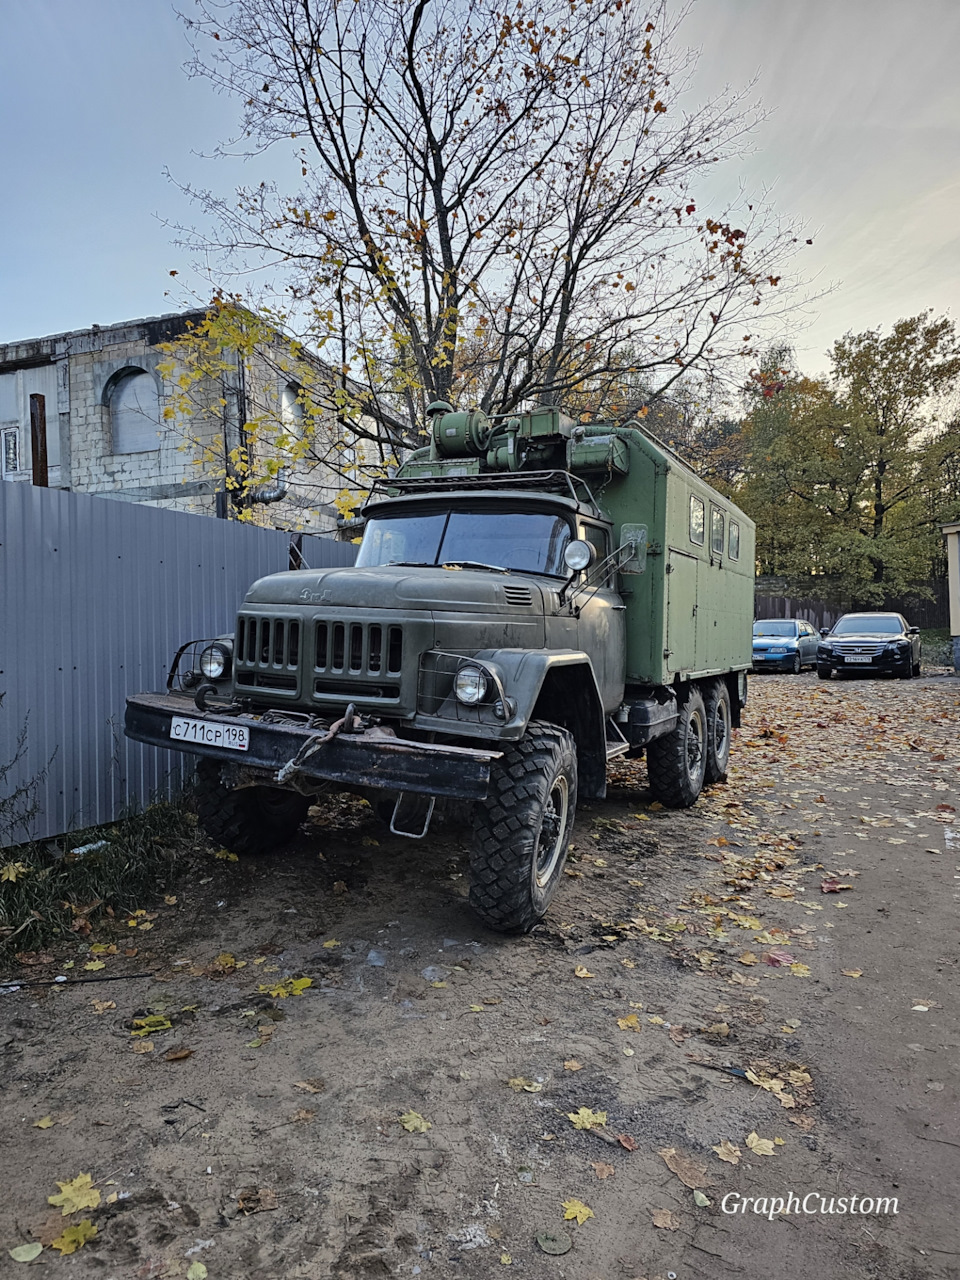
578,555
215,661
470,685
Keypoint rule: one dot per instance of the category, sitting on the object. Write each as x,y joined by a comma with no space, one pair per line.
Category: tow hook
349,722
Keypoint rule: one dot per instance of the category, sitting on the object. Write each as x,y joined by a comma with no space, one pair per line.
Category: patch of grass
48,890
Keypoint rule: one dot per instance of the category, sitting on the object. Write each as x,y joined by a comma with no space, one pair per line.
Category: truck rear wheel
250,819
719,728
523,828
676,763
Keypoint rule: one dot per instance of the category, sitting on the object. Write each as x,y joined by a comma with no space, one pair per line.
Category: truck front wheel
676,763
523,828
250,819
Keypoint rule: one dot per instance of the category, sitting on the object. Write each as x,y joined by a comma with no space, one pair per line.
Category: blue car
784,644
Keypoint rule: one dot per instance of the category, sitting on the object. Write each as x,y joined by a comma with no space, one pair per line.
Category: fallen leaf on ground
26,1252
74,1238
288,987
578,1210
572,1064
700,1200
628,1143
101,1006
584,1118
759,1146
178,1053
603,1170
80,1193
727,1151
518,1083
582,971
150,1024
852,973
170,899
143,1046
833,886
316,1085
46,1122
91,965
800,970
664,1218
748,957
257,1200
776,957
630,1023
330,944
196,1271
690,1172
414,1122
304,1116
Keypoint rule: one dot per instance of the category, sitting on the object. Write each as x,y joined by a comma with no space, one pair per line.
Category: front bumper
369,759
774,661
880,664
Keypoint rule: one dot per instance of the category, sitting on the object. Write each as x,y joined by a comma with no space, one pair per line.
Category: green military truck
531,598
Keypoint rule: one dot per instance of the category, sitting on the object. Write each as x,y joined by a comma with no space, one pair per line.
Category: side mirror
633,548
579,555
824,631
913,631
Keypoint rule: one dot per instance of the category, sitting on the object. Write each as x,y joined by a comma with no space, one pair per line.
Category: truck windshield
527,541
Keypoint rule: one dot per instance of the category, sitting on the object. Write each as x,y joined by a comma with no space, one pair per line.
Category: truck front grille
267,653
358,648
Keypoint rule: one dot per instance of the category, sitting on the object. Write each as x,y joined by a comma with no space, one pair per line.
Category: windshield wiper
474,564
408,564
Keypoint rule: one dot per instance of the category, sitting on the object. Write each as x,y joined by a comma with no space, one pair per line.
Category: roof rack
553,481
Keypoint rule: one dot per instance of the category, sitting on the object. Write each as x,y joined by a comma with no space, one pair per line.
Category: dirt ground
799,924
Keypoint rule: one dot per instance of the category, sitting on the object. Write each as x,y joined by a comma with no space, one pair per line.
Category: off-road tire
250,819
823,673
676,763
797,665
522,829
719,729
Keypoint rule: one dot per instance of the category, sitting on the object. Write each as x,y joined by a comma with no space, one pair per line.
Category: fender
545,684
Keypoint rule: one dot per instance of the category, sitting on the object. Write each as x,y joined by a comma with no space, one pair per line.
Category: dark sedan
872,642
783,644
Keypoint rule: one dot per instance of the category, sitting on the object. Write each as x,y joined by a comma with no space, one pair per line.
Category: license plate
858,657
235,737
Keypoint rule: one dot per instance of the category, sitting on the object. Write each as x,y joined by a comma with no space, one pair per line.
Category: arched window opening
291,409
134,407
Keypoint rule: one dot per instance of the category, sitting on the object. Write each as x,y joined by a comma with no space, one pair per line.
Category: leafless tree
496,200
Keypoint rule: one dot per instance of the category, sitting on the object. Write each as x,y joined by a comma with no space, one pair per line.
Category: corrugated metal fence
95,598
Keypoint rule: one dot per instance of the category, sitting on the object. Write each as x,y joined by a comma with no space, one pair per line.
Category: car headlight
470,686
778,648
215,661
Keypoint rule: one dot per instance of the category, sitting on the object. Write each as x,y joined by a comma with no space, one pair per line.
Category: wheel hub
552,829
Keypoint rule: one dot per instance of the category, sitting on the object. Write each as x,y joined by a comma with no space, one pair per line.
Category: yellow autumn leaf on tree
414,1122
74,1238
759,1146
576,1209
584,1118
76,1195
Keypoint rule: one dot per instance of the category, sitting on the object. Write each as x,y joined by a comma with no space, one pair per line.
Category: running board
617,745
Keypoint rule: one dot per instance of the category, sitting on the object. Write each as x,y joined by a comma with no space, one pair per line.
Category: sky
861,140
